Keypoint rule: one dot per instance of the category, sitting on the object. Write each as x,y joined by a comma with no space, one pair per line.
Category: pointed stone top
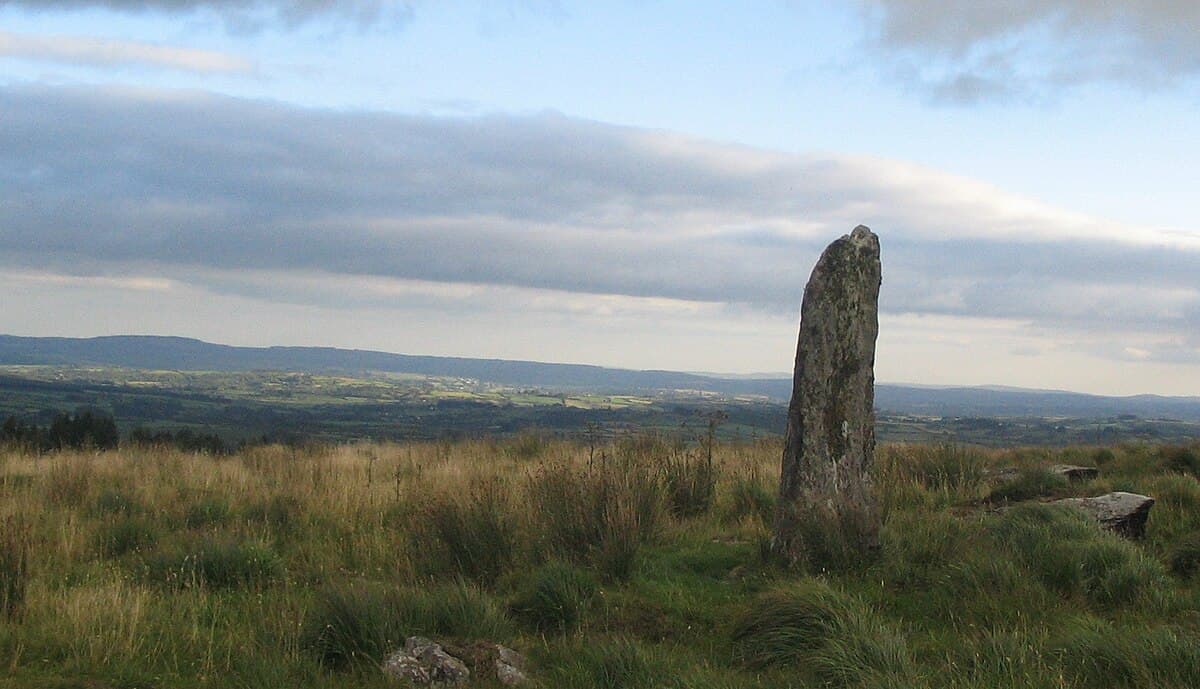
863,235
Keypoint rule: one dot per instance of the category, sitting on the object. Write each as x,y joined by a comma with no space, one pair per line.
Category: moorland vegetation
635,562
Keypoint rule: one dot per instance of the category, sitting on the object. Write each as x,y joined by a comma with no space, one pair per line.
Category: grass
554,598
619,563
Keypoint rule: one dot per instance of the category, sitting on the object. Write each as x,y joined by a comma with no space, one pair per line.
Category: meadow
633,562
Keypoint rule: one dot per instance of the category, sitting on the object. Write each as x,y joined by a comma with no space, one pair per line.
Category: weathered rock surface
1075,473
422,661
1070,472
1124,513
491,660
830,442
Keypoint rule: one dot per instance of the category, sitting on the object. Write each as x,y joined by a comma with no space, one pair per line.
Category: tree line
91,429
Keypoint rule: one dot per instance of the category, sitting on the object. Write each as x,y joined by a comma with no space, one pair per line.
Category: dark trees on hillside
85,429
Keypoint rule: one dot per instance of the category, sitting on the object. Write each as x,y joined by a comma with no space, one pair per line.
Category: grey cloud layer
102,181
968,51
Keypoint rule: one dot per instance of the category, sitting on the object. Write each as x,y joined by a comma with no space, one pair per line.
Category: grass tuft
215,563
602,513
613,663
1073,556
207,512
1031,483
126,535
15,536
814,628
471,535
352,625
554,598
1098,655
690,482
1184,558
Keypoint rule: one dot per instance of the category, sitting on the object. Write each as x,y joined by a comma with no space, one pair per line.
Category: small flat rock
487,659
1124,513
424,662
1003,474
1075,473
1070,472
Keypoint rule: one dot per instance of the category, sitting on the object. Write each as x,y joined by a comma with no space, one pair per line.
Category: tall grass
473,535
14,565
601,513
303,566
816,629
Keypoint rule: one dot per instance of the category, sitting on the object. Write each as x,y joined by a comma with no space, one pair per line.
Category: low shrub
748,497
1098,655
14,565
554,598
602,513
1184,557
70,480
280,512
125,535
816,629
919,547
352,625
473,535
1176,512
613,663
1001,660
357,624
459,610
945,467
1183,459
207,512
1071,555
1033,482
690,482
831,541
216,564
116,502
528,444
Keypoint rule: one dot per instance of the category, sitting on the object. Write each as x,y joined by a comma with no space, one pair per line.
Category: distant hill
184,354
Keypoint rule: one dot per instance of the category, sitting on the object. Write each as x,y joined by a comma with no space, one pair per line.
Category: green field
635,563
291,406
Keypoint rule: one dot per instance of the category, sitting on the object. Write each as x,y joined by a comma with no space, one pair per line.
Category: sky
636,183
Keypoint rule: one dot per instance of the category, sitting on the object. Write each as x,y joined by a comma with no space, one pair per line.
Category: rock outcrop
1075,473
1070,472
422,661
425,662
492,661
830,442
1124,513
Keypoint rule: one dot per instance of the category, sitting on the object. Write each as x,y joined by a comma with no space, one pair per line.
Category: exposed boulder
830,443
1124,513
423,661
492,660
1070,472
1073,473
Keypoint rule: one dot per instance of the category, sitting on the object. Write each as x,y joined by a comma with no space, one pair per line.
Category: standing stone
825,493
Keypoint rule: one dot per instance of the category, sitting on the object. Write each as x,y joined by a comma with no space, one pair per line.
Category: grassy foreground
635,564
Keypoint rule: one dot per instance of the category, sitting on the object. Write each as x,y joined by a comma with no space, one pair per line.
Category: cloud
245,15
965,52
295,205
84,50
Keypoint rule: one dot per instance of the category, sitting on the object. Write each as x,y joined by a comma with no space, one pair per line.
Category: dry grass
471,529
